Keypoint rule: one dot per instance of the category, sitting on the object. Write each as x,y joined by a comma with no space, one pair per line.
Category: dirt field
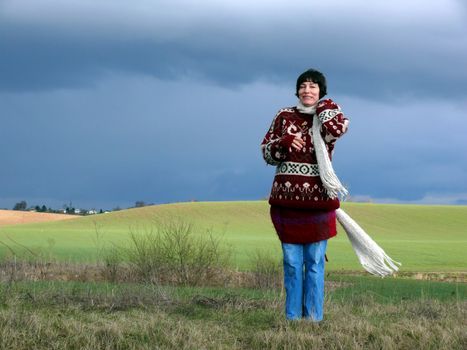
14,217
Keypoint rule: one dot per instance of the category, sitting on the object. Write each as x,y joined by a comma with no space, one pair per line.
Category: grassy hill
423,238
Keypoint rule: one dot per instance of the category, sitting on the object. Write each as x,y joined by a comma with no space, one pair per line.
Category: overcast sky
104,103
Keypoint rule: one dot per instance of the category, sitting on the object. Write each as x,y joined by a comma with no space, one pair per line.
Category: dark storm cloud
131,139
378,50
105,103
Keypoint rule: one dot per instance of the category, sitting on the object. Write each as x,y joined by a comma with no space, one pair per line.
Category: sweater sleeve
275,145
334,123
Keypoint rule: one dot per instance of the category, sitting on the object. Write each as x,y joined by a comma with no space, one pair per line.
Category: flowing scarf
371,256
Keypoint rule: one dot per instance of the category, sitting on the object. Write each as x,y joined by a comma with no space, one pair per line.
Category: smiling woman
305,197
303,208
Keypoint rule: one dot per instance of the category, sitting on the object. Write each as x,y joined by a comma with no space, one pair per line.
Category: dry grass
15,217
132,330
83,316
48,306
30,271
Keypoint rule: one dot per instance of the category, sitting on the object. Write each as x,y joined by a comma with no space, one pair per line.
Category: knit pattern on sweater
297,183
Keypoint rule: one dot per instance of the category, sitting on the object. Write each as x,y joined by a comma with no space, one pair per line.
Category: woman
302,209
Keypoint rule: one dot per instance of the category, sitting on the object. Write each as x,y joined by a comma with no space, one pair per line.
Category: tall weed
267,270
172,252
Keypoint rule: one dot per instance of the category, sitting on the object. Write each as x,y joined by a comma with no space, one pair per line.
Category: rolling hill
423,238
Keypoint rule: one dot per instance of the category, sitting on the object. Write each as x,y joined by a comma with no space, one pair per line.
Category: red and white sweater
297,183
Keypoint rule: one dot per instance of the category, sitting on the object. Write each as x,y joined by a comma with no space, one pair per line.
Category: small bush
171,252
267,270
113,263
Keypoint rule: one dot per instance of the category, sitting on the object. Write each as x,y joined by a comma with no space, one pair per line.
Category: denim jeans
304,280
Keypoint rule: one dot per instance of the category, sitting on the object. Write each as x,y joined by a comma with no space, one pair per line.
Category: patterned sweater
297,183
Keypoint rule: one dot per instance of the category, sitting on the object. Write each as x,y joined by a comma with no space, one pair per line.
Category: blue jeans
304,280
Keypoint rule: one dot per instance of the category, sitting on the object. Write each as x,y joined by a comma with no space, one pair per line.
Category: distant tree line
68,208
42,209
21,206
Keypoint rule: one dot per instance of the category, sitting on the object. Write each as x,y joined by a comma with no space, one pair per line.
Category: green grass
423,238
76,315
396,290
361,312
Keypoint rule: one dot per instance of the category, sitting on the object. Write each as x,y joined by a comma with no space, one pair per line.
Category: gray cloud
113,102
378,50
132,138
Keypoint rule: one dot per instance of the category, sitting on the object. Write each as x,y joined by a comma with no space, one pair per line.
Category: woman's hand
292,141
297,143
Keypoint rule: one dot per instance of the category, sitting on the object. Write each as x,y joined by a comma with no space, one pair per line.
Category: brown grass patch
15,217
14,271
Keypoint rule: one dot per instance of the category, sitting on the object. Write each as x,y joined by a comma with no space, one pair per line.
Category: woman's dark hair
314,76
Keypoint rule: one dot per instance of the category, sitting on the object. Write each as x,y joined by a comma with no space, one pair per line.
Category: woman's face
308,93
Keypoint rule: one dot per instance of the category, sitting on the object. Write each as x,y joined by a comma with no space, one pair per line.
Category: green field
361,312
423,238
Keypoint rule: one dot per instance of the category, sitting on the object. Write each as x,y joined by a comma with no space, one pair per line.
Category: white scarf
371,256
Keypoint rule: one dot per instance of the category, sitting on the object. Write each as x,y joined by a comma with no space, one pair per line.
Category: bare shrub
267,270
113,266
144,254
19,261
171,252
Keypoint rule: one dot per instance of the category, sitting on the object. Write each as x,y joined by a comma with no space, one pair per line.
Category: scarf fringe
371,256
331,182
